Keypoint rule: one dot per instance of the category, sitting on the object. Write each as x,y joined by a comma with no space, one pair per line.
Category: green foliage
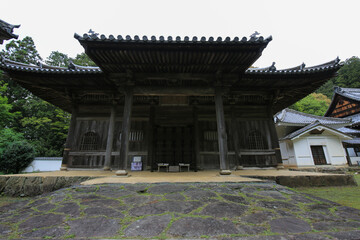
46,126
43,124
5,115
16,157
7,136
83,60
58,59
315,103
22,51
348,77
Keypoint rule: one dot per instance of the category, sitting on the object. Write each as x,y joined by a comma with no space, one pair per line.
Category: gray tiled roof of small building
352,93
170,39
301,130
8,64
355,118
298,118
348,130
308,127
352,141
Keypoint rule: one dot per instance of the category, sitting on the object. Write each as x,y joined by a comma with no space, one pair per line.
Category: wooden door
318,155
173,145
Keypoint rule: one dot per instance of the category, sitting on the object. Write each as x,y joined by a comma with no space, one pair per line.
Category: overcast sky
309,31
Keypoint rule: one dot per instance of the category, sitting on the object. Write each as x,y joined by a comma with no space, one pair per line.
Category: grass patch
346,195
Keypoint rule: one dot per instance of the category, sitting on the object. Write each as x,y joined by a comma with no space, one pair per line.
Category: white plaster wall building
307,140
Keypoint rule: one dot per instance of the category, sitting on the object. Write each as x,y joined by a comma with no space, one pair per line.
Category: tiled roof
6,31
294,118
352,141
7,64
170,39
352,93
309,127
348,130
355,118
298,69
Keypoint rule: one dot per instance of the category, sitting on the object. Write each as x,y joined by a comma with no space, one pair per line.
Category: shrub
16,157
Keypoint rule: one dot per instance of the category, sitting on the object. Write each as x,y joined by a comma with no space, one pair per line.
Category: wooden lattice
256,140
89,141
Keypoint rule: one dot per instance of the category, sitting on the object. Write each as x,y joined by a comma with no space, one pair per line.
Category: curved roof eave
6,64
6,31
170,39
331,65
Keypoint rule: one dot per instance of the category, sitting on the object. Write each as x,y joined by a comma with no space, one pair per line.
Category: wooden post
235,135
70,139
196,137
275,142
150,139
222,136
125,131
110,138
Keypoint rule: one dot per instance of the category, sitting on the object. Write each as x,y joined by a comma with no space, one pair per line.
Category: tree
58,59
16,157
315,103
6,116
83,60
348,77
43,124
23,51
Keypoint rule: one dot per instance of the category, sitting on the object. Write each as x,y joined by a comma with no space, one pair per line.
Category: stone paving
251,211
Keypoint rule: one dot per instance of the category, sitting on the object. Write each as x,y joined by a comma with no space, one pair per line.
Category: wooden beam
222,136
235,135
125,131
70,138
150,139
196,137
110,138
169,90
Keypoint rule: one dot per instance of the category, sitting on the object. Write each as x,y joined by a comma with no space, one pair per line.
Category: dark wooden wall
247,120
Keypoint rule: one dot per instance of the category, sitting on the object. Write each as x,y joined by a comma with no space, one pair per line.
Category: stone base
121,173
239,168
107,168
280,166
64,168
225,172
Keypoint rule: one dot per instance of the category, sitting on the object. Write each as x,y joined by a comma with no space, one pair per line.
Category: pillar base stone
121,173
280,166
63,168
106,168
225,172
239,167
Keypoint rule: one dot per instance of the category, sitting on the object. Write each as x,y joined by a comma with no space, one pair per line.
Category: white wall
332,145
44,164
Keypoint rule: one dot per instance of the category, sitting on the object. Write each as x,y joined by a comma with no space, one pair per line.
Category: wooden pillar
125,132
222,136
275,142
150,139
70,139
235,135
196,137
110,138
